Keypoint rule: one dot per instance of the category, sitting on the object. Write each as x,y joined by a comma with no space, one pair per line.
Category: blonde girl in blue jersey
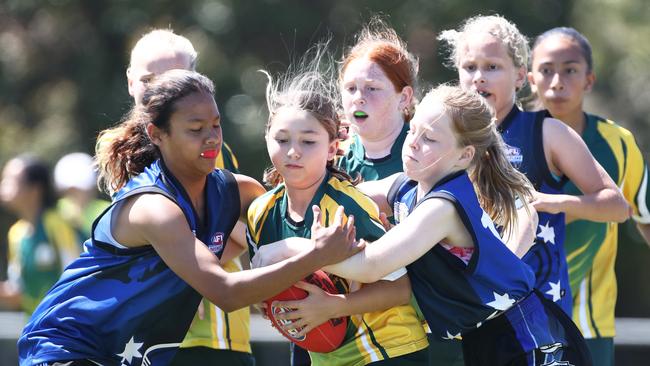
562,74
491,57
302,141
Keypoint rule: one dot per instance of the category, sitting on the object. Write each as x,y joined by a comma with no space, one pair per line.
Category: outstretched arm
403,244
567,154
154,219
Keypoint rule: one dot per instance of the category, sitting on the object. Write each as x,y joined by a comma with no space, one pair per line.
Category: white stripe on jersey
644,214
220,327
363,335
582,310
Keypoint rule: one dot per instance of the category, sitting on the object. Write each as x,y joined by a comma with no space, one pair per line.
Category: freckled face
370,101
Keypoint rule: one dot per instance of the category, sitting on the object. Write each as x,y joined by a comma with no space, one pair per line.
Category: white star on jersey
547,233
554,291
131,350
501,302
452,336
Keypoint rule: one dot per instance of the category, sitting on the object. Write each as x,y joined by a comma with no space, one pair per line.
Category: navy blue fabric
535,331
124,305
456,297
522,133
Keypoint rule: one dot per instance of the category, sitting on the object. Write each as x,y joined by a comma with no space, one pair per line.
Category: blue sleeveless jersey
456,297
123,306
522,133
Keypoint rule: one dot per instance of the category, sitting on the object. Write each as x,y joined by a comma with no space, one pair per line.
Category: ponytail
123,152
498,184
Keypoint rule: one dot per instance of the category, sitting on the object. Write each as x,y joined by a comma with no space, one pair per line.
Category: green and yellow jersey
355,162
591,246
38,253
372,336
211,326
81,220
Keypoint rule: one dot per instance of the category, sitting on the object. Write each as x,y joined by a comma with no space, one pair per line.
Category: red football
324,338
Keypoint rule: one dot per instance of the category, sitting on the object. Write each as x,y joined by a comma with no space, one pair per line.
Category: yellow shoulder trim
259,209
634,180
365,202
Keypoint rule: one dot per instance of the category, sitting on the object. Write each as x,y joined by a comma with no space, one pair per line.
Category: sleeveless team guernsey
219,329
591,247
117,305
355,162
522,133
372,336
456,297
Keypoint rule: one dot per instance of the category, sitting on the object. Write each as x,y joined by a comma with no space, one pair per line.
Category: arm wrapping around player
567,153
403,244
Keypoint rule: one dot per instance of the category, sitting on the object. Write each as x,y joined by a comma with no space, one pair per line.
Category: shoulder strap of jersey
394,188
111,248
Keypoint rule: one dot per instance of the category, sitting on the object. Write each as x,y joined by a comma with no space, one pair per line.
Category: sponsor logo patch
514,156
216,243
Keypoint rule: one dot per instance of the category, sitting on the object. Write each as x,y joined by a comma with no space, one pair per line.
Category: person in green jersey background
562,73
215,336
41,243
377,79
302,141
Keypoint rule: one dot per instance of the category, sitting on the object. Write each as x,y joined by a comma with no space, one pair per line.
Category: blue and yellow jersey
591,246
215,328
38,253
372,336
355,162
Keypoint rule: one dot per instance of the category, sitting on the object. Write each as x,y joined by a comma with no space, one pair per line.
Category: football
324,338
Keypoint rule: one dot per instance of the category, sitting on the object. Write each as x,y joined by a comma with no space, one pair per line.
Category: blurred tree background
63,64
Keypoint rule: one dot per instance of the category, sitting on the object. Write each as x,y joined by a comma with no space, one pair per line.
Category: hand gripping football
324,338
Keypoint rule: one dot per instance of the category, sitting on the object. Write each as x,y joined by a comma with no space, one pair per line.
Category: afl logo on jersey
216,243
514,156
